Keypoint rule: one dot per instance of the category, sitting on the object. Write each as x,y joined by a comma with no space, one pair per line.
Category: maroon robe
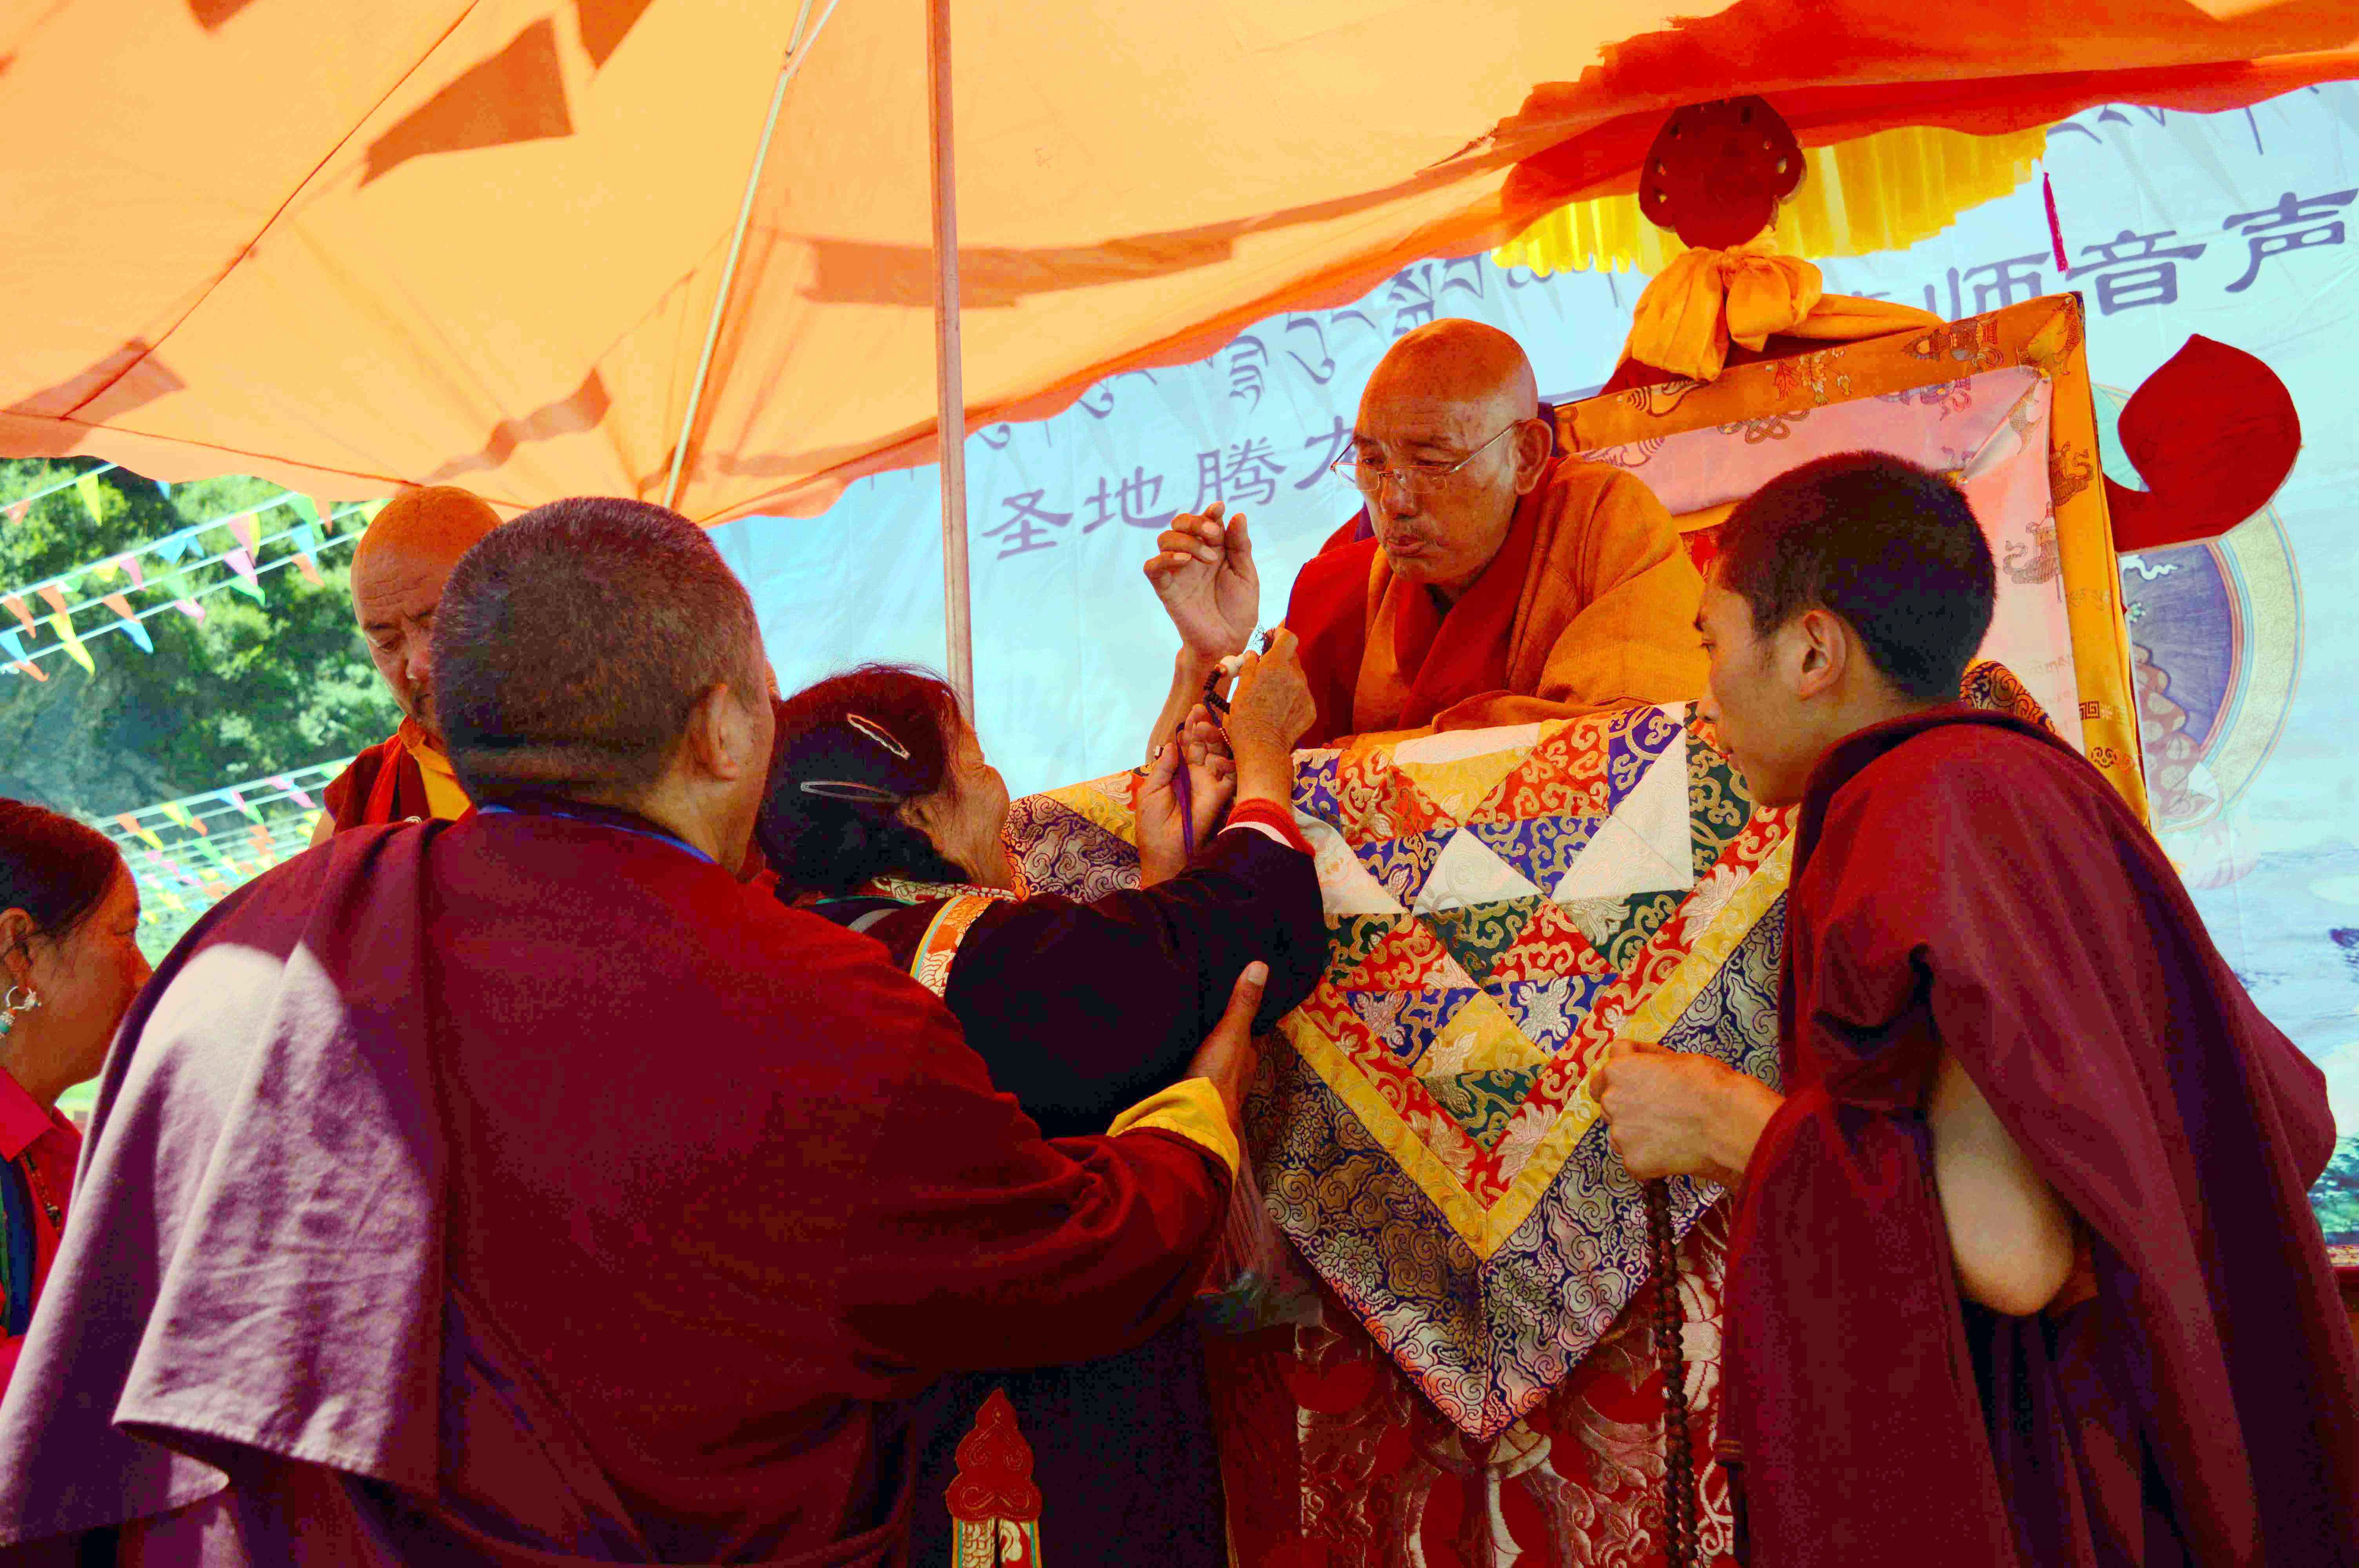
383,784
525,1189
1964,883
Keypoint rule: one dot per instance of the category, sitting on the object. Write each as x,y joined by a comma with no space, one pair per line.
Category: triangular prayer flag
191,609
283,781
305,540
131,825
53,594
248,581
130,622
17,608
15,643
243,526
129,566
172,547
307,509
239,801
177,812
87,488
172,901
74,650
27,667
16,510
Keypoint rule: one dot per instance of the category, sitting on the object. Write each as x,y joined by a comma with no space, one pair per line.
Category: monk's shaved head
439,521
574,643
398,570
1460,362
1437,418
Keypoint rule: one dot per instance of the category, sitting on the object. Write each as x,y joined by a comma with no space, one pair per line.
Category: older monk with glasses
1488,578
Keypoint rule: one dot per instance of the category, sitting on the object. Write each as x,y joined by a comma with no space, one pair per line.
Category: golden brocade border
2046,334
1486,1229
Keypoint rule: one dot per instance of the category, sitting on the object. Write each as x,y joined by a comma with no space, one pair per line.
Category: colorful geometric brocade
1501,905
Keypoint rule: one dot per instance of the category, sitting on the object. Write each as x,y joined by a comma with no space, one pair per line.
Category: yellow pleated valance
1872,193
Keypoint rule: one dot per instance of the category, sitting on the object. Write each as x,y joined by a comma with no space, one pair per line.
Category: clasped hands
1675,1113
1252,758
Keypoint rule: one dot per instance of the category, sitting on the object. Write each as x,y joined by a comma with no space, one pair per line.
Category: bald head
1459,363
574,643
1451,390
439,520
398,570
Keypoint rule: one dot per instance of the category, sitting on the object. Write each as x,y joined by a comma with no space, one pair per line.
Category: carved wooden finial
1717,172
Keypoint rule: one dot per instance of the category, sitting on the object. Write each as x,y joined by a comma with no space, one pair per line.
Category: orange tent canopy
346,244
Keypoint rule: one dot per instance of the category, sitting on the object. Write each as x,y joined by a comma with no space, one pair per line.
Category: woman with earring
69,965
884,816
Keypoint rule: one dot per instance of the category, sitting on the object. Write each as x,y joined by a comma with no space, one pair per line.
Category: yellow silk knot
1704,299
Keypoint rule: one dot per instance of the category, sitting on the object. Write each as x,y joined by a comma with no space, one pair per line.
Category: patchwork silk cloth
1501,904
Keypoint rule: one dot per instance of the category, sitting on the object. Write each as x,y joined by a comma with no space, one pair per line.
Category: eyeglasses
1365,467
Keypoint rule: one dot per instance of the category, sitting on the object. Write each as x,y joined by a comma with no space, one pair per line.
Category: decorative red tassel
2055,229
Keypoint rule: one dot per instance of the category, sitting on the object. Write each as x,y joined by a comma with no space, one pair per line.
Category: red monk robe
1963,884
527,1190
404,778
1589,603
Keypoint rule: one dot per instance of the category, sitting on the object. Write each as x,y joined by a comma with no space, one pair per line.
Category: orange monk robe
1589,603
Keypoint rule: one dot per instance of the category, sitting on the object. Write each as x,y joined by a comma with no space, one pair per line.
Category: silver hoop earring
11,1006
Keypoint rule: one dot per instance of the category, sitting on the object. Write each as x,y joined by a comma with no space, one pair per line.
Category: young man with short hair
2023,1270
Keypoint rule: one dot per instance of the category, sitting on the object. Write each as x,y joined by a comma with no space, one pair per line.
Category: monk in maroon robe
527,1189
398,570
1488,579
2023,1270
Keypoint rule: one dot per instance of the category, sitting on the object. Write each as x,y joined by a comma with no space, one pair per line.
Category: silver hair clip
844,789
878,734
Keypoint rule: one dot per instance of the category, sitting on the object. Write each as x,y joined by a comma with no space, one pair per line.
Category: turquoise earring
11,1006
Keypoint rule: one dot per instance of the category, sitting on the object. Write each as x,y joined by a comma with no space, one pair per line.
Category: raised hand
1203,572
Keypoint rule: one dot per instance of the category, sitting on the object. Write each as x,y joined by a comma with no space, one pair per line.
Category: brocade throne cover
1500,904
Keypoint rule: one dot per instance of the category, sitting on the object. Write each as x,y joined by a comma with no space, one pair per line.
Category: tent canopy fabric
477,241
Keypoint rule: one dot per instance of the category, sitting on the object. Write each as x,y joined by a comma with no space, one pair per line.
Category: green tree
256,689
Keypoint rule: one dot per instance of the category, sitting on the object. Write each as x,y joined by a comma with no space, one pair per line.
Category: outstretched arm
1038,1253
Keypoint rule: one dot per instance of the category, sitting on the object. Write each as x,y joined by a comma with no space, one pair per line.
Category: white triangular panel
1468,872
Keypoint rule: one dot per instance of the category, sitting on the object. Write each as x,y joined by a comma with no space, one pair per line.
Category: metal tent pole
789,63
951,406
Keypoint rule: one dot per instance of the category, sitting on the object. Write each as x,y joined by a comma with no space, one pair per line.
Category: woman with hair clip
884,816
69,966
